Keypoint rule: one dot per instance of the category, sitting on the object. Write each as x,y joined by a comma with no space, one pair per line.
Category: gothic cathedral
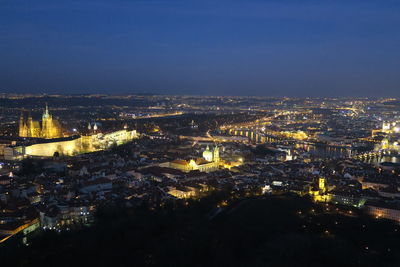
49,128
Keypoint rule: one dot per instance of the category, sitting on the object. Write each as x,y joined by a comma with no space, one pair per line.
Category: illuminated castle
49,128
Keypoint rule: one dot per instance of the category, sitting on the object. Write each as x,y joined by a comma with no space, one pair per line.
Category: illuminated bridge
255,134
373,154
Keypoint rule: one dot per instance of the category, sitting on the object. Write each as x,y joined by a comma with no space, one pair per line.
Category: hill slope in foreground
265,231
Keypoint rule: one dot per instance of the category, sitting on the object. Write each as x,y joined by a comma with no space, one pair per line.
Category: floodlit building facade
49,128
209,162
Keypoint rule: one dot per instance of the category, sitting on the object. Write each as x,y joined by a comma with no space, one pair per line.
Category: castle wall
83,144
67,148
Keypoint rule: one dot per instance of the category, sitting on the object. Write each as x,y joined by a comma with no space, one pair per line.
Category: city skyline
200,132
198,171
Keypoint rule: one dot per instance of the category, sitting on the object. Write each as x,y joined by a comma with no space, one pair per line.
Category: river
338,152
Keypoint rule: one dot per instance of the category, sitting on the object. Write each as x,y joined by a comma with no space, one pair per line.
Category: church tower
46,123
216,154
21,125
386,127
50,128
321,184
31,130
23,129
385,143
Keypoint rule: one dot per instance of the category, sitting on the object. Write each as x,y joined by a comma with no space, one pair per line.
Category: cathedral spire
46,112
22,117
22,125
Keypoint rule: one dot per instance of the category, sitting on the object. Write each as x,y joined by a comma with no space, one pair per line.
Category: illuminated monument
319,194
209,162
55,144
49,128
211,156
79,144
71,146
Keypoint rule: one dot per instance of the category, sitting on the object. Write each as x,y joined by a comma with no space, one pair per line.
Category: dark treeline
267,231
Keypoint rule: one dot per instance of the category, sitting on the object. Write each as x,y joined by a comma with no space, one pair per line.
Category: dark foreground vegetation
264,231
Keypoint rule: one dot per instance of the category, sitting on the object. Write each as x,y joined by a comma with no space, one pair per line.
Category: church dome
208,154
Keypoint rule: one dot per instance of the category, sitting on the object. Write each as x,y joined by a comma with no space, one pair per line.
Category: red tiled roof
180,161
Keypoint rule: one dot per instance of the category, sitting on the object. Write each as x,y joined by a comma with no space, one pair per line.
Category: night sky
215,47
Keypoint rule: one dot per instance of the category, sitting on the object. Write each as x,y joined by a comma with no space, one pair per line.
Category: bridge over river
260,135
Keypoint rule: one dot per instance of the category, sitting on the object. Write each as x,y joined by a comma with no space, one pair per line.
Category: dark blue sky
218,47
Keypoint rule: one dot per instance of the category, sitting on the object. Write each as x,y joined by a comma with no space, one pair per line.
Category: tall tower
321,184
23,131
386,127
21,125
48,130
216,154
385,143
46,112
31,128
